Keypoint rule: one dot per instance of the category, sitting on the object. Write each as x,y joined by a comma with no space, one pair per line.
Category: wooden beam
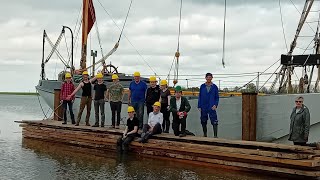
249,116
58,110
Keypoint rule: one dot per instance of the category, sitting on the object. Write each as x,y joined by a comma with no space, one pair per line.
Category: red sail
91,16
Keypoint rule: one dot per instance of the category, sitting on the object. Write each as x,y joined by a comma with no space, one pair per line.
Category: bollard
58,110
249,116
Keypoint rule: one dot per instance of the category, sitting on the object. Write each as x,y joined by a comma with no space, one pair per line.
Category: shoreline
19,93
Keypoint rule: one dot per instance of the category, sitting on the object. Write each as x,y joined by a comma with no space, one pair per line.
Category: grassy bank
19,93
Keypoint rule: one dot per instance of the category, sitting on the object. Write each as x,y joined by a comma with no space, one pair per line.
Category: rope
41,105
125,21
283,32
127,39
99,39
54,47
224,32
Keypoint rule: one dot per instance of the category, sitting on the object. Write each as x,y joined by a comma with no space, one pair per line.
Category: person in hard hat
100,94
115,95
155,121
179,106
136,97
86,97
208,101
165,97
130,132
66,89
153,94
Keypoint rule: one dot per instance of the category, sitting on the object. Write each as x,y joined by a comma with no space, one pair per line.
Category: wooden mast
84,34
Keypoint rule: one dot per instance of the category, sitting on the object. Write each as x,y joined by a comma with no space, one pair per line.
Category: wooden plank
185,152
181,147
192,139
231,163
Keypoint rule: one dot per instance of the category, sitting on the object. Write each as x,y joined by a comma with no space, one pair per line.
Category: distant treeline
19,93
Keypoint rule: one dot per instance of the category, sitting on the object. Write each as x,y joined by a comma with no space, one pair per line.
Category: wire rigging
127,38
282,25
224,33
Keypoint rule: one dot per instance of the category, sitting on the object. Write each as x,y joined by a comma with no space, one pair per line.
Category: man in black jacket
179,106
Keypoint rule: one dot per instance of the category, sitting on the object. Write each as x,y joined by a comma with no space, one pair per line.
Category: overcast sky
254,38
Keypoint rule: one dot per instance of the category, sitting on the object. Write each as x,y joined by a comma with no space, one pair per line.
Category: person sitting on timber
155,121
179,106
86,98
300,123
130,132
100,94
66,89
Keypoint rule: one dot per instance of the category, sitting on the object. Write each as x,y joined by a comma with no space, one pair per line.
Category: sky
254,38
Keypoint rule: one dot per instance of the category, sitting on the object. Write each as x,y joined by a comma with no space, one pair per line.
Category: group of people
114,94
157,99
160,104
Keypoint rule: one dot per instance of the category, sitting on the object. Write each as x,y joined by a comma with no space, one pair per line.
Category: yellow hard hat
114,76
85,73
152,78
163,82
67,75
136,74
157,104
99,76
130,109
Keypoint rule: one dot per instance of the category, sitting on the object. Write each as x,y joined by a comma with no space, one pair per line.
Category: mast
88,19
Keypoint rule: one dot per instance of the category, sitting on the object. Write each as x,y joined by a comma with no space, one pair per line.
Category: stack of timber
231,154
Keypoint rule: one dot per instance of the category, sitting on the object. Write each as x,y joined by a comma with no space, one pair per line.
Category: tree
264,90
251,87
225,90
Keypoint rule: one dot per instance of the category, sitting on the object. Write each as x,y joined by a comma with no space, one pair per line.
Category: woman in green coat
300,123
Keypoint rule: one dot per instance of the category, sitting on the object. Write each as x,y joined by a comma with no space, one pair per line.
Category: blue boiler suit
205,101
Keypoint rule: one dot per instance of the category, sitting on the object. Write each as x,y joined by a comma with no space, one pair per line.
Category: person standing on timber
155,121
300,123
179,106
137,96
130,132
165,105
86,98
153,94
100,94
207,104
115,96
66,89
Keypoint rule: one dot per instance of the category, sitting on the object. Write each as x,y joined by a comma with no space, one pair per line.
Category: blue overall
206,101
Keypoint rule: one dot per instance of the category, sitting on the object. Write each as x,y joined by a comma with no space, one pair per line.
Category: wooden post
58,110
249,116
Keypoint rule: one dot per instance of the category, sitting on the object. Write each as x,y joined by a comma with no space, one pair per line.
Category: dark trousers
139,108
166,115
123,144
99,104
156,129
116,108
176,125
149,109
65,104
300,143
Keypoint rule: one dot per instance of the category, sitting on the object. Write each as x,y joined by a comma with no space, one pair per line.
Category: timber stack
230,154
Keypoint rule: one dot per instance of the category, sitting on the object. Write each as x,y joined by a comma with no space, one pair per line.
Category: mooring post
58,110
249,116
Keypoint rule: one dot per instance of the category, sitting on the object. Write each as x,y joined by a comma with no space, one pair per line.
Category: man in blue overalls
207,104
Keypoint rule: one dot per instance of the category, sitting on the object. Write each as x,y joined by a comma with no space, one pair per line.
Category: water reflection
69,162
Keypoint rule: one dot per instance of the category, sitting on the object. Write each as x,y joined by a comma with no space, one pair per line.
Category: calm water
29,159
